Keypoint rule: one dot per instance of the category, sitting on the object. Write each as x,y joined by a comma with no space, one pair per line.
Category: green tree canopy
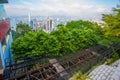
21,30
113,22
60,25
80,24
58,43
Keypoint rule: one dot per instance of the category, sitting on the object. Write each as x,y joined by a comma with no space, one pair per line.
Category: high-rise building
45,27
29,19
13,24
32,24
36,26
49,24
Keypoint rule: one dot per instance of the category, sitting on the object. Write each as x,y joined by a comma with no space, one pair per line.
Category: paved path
105,72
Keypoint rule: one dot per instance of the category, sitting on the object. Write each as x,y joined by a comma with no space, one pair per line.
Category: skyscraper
13,24
29,19
32,24
49,24
36,26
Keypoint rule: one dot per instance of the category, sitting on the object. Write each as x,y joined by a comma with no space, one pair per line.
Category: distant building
45,27
5,38
36,26
49,25
32,24
13,24
29,19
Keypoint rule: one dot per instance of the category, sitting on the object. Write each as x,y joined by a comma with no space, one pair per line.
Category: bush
75,36
56,44
80,76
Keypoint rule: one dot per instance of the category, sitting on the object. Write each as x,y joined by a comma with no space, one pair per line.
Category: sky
79,8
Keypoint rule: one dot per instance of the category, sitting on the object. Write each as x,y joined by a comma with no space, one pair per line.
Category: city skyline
84,9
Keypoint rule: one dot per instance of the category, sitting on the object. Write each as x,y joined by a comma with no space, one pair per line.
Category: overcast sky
80,8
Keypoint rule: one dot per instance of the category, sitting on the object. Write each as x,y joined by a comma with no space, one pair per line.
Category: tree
80,24
85,25
113,22
64,37
35,44
80,76
21,30
98,29
60,25
58,43
73,40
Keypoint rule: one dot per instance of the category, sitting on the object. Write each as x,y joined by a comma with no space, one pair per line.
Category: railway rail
82,60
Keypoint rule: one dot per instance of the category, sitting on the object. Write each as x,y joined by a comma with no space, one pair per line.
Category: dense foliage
80,24
74,36
112,26
58,43
80,76
72,40
21,30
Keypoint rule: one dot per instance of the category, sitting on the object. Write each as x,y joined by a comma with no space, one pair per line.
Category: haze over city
84,9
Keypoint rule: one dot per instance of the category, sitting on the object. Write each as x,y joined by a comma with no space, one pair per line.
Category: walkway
105,72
